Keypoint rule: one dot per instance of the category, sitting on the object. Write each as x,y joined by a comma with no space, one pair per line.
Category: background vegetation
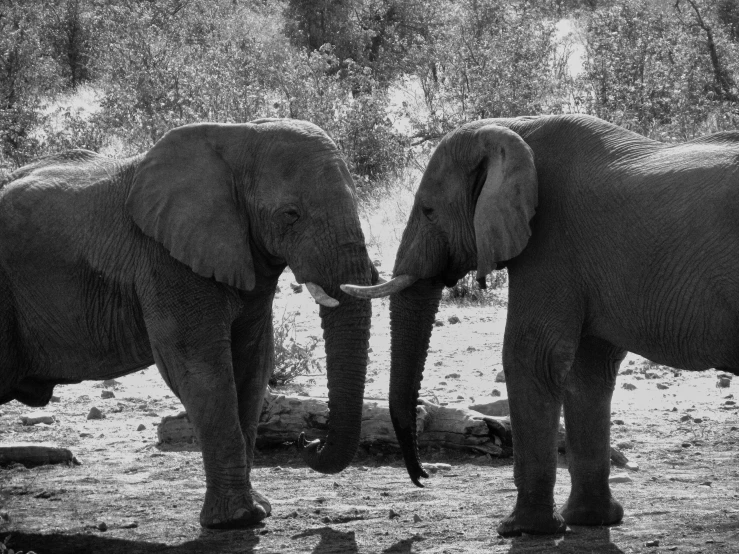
385,78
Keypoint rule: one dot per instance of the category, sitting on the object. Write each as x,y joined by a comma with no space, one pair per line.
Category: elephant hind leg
587,405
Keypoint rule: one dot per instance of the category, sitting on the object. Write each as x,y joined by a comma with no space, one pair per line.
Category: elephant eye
428,212
290,215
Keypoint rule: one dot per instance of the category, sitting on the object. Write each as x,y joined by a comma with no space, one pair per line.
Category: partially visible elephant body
613,242
173,257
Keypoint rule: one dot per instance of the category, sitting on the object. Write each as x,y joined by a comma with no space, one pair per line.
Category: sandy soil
685,494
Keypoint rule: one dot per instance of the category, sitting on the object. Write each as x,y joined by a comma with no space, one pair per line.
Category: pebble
102,526
627,371
107,394
297,287
130,525
723,382
686,445
95,413
141,427
633,466
55,399
433,468
662,386
652,375
453,319
495,392
652,543
452,376
438,323
417,518
37,417
500,378
686,417
618,421
620,478
110,383
393,514
628,386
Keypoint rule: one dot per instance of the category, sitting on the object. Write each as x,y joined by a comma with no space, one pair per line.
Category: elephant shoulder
727,138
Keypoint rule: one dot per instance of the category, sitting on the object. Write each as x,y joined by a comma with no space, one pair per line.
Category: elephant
172,257
613,242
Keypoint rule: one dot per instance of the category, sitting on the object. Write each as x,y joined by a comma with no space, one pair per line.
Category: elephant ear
508,198
184,195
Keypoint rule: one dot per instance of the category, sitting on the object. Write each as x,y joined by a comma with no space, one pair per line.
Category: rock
500,378
33,455
723,382
494,408
626,371
651,543
393,514
632,466
495,392
620,478
686,417
686,445
617,422
130,525
697,420
107,394
433,468
141,427
417,518
652,375
102,526
55,399
628,386
95,413
35,418
110,383
453,320
297,287
663,386
452,376
438,323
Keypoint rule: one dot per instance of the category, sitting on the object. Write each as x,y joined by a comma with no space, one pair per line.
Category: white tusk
396,284
320,296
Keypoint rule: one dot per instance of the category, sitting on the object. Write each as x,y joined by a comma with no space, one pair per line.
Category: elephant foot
234,511
589,510
532,521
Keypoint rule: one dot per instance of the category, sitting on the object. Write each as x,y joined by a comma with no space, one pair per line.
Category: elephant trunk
412,314
346,330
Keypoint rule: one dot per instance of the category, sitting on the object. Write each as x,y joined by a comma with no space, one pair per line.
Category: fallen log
284,417
33,455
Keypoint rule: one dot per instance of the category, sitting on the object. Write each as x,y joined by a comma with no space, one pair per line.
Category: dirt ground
131,496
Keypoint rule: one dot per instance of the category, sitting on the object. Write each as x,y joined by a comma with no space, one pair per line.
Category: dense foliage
380,76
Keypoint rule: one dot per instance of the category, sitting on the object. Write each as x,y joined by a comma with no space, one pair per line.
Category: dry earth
685,494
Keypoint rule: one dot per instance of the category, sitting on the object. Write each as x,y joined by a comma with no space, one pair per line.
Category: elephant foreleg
587,403
534,378
252,351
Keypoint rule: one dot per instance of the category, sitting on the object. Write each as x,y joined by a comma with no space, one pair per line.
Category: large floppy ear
508,198
184,195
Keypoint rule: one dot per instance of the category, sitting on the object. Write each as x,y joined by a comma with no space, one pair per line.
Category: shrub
292,359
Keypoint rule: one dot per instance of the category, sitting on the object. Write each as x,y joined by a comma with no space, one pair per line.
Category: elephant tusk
396,284
320,296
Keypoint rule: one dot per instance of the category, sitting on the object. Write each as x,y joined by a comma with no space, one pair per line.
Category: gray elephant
612,241
108,266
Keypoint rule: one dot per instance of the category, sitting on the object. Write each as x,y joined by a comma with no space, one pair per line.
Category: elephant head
472,210
238,202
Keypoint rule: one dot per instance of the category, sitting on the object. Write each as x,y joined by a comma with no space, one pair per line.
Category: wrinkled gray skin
108,266
633,246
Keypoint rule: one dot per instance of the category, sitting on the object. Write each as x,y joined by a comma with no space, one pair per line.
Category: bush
292,359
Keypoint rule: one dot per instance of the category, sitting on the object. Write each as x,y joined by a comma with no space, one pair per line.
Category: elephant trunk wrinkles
412,314
346,330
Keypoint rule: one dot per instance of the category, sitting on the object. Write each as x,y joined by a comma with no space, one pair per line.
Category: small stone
626,371
107,394
620,478
698,420
686,417
297,287
417,518
618,421
55,399
495,392
452,376
500,378
110,383
730,403
438,323
686,445
663,386
723,382
141,427
4,516
652,375
85,435
453,319
652,543
102,526
632,466
95,413
628,386
393,514
130,525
